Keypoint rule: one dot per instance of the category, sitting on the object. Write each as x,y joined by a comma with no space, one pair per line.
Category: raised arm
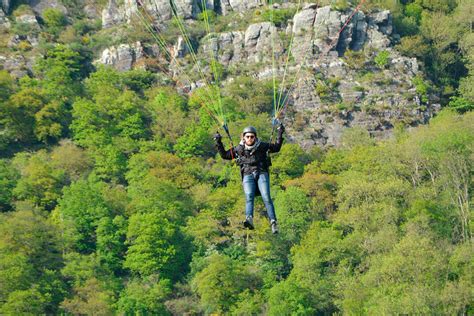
275,147
225,154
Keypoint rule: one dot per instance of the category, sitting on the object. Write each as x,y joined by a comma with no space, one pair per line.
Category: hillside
114,201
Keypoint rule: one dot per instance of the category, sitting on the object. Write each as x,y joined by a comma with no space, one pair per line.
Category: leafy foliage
112,199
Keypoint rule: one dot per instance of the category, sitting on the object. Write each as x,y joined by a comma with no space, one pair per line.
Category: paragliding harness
255,160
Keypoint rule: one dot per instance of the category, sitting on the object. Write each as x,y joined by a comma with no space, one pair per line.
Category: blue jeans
250,188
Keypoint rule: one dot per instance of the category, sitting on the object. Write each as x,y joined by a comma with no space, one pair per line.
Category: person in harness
252,156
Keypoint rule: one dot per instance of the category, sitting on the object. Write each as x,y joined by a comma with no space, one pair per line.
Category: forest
113,199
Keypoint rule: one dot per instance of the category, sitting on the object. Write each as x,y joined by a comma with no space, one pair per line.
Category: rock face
4,23
160,10
334,97
17,66
334,91
228,6
28,19
6,5
91,11
39,6
122,57
252,46
335,78
111,15
318,31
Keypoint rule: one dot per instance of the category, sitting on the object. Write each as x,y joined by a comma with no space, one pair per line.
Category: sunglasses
250,136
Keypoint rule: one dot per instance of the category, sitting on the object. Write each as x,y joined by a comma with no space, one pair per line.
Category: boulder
28,19
258,42
180,49
160,10
122,57
16,66
228,6
228,47
39,6
111,15
6,4
91,11
4,22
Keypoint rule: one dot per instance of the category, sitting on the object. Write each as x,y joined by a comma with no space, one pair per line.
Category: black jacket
255,160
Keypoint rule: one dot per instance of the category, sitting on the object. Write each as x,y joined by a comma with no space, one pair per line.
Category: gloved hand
218,137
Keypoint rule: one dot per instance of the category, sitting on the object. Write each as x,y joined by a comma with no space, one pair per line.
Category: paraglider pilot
252,156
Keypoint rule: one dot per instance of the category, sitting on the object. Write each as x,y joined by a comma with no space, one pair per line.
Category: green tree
73,160
8,179
90,298
40,183
252,96
294,213
54,20
79,212
196,141
220,283
7,85
168,111
317,260
156,246
289,163
109,123
145,296
406,280
287,298
29,259
111,234
51,121
59,72
382,59
19,113
24,302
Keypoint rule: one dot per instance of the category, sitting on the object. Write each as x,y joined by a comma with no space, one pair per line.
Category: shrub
405,25
461,104
54,18
280,16
382,59
24,46
354,59
322,89
422,88
22,9
24,29
413,46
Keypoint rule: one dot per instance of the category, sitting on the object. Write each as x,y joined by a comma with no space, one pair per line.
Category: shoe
248,223
274,225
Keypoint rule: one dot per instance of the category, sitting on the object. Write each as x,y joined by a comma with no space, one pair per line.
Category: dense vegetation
112,199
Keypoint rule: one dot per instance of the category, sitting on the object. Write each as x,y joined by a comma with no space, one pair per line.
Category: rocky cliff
344,78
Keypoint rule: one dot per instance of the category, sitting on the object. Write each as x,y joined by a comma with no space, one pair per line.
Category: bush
422,88
22,9
461,104
413,46
280,16
24,29
24,46
322,89
414,10
354,59
382,59
406,25
54,18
